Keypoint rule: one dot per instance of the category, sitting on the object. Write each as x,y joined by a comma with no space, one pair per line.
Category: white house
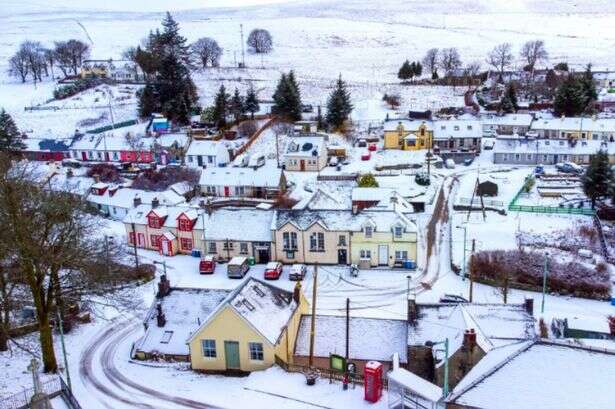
261,182
202,154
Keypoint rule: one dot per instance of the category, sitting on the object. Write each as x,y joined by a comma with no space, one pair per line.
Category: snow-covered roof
184,309
344,220
386,198
49,144
206,148
562,123
415,383
457,128
267,175
230,223
408,124
109,141
167,140
540,374
181,188
328,195
552,146
491,322
305,145
124,197
370,338
507,119
266,308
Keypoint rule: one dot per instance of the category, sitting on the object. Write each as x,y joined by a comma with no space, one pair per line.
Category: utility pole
61,328
313,320
107,254
471,274
465,238
134,244
445,386
346,375
243,55
545,272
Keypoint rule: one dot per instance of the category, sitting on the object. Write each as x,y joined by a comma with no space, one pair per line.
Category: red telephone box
373,381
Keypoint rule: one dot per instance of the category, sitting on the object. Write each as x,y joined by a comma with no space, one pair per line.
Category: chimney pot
137,201
155,202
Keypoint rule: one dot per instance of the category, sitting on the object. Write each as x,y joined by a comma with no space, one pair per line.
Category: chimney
160,318
136,201
164,286
413,312
528,304
96,177
297,293
469,339
155,203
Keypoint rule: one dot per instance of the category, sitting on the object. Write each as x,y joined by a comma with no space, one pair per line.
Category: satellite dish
307,147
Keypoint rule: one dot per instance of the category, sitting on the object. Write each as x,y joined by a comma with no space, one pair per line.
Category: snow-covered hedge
524,269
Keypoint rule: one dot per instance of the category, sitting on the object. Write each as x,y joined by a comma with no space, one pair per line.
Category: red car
372,147
273,270
366,156
207,265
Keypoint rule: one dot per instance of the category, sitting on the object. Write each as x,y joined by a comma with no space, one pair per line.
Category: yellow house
385,238
252,329
407,135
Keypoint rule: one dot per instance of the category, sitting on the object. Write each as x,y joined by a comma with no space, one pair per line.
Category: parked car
490,133
256,161
71,163
273,270
237,267
468,161
207,265
449,163
372,147
297,272
569,167
362,143
366,156
333,161
452,299
539,170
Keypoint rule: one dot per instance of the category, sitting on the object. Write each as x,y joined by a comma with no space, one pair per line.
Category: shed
487,188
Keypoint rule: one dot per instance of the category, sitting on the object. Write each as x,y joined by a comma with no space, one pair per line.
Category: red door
226,191
140,240
302,163
84,157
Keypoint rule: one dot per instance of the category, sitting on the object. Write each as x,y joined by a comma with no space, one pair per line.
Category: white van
449,163
237,267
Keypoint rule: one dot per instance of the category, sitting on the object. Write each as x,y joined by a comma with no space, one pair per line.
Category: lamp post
545,272
465,239
445,350
164,266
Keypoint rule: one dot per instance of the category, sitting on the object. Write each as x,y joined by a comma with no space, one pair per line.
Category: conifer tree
10,139
509,102
221,107
339,106
236,107
598,177
251,102
570,98
287,98
405,71
418,69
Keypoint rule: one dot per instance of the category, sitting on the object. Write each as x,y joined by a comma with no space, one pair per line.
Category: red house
136,156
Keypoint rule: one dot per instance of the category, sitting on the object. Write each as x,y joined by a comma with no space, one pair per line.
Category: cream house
252,329
306,153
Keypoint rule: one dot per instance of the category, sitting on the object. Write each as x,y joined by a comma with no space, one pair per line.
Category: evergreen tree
148,101
418,69
173,42
287,98
589,89
509,102
176,91
570,98
221,107
405,71
251,102
10,140
339,106
598,176
236,107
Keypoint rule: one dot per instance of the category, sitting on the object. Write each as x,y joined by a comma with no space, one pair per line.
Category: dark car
452,299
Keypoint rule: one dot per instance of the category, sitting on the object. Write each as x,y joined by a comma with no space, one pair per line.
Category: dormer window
185,224
153,222
398,231
368,231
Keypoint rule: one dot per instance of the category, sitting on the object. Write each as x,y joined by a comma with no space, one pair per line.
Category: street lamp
545,272
164,266
445,350
465,239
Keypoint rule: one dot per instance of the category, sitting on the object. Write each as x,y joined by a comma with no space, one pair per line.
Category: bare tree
470,72
449,60
207,51
50,58
70,55
430,62
534,52
500,58
135,142
34,53
260,41
18,66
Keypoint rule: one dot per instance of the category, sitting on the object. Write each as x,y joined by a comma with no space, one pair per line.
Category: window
239,190
469,127
190,159
210,159
185,224
243,248
131,238
228,245
209,348
155,240
398,231
289,240
456,127
368,231
317,242
211,248
256,351
401,255
186,244
153,222
115,156
166,337
211,190
341,242
365,254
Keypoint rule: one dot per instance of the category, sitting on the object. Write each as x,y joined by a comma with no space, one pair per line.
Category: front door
263,256
140,240
199,160
302,164
383,255
84,156
231,354
342,256
227,192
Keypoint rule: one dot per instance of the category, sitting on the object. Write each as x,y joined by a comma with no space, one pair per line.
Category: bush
526,269
76,87
368,181
392,100
529,184
247,128
158,180
422,179
106,171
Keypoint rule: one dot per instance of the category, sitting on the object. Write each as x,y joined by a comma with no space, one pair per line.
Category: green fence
514,207
110,127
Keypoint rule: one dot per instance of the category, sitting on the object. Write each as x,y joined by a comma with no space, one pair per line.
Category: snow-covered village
334,204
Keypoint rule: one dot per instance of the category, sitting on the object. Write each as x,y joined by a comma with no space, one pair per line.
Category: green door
231,354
